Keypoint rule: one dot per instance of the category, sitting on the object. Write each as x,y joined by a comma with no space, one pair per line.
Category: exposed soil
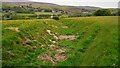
60,57
56,57
61,50
45,58
70,37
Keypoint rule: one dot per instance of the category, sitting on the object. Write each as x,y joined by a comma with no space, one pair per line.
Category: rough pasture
82,41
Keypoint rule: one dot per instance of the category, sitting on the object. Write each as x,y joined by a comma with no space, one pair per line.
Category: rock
55,37
42,45
34,47
28,41
52,46
70,37
64,26
11,54
54,26
13,28
52,41
49,32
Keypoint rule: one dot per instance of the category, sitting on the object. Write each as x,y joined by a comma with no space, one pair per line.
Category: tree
118,12
103,12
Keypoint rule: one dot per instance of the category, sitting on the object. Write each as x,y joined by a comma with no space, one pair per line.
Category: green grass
47,13
23,14
96,44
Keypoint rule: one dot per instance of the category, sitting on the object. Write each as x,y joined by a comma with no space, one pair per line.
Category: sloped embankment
86,41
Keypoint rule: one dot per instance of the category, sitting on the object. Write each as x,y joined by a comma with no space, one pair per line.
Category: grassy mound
37,42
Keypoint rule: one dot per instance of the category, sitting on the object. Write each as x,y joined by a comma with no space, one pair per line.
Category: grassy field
23,14
38,13
47,13
82,41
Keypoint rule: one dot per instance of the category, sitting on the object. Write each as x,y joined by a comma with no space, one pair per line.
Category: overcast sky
97,3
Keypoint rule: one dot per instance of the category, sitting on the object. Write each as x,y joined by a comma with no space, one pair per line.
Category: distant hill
27,3
69,9
15,1
88,7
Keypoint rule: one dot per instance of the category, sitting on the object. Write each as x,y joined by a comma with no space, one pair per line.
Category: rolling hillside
70,9
82,41
15,1
27,3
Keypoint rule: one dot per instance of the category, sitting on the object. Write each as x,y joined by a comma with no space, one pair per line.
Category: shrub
55,18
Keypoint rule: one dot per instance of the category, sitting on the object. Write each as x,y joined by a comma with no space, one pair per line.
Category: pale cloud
97,3
75,0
